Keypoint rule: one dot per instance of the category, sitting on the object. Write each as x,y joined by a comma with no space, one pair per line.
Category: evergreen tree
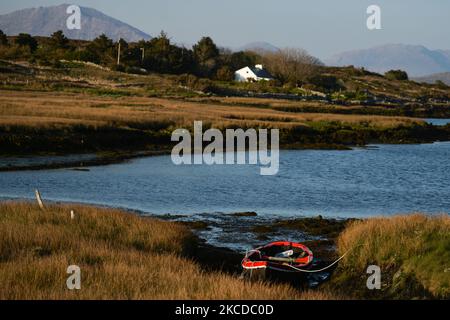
58,40
162,56
24,39
3,39
101,50
205,50
206,56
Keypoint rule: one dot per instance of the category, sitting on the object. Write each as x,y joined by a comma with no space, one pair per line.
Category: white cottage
257,73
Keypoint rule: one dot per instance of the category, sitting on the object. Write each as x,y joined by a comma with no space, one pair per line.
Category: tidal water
378,180
437,122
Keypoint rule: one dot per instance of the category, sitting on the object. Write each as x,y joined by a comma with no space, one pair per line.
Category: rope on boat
320,270
304,270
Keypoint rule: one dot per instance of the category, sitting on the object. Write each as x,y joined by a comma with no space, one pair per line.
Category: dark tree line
159,54
291,67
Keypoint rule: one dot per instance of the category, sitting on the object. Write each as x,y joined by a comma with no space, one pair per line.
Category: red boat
282,256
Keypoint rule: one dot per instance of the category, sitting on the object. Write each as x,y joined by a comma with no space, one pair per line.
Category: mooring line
320,270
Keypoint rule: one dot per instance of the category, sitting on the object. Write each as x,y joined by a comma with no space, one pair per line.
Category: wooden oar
279,259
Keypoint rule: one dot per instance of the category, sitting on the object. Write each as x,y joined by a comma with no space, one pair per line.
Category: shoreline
106,157
312,229
144,248
318,233
148,242
102,160
119,157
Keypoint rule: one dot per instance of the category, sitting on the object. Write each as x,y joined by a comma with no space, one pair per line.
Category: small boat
280,256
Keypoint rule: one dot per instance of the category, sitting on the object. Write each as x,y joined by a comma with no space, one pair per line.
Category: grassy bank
86,108
412,251
62,123
358,92
125,256
121,256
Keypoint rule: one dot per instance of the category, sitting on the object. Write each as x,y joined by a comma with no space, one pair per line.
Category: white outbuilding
256,73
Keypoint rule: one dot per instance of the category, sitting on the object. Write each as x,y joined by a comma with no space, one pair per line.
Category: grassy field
84,108
412,251
441,110
41,122
121,256
124,256
358,85
47,110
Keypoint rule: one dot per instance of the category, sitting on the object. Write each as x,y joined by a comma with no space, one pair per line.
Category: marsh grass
413,252
121,256
83,109
49,108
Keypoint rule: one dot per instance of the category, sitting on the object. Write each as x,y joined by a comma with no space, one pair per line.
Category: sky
322,27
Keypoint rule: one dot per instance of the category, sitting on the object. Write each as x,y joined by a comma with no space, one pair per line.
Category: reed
43,109
121,256
413,252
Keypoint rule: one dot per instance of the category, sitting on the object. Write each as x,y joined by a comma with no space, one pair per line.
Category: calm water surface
381,179
438,122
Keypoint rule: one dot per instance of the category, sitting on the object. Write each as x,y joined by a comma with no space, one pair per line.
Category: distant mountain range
258,46
416,60
43,21
432,78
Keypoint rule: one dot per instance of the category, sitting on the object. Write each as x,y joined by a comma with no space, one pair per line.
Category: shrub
325,82
25,40
396,75
3,39
224,74
440,84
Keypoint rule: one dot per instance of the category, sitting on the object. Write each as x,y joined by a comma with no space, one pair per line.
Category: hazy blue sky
323,27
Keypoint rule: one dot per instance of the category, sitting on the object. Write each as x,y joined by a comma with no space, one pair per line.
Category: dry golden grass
262,102
121,256
407,248
41,109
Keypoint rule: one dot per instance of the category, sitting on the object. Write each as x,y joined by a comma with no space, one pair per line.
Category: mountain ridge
432,78
43,21
417,60
258,46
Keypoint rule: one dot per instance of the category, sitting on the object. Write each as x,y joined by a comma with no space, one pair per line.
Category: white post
39,199
118,53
